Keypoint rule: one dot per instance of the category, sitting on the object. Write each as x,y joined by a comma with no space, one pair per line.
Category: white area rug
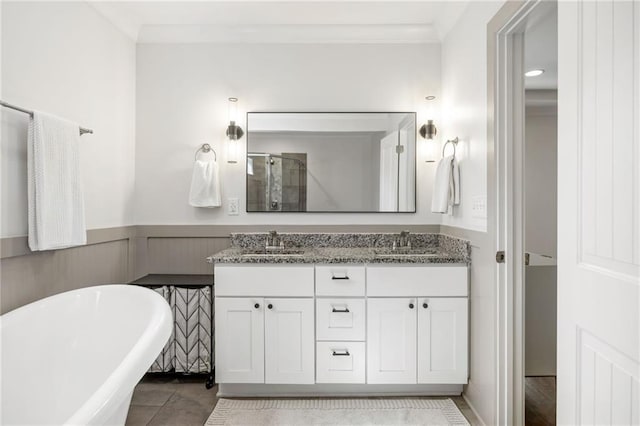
404,411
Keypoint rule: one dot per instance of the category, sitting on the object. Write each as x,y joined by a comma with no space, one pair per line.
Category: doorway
526,197
540,214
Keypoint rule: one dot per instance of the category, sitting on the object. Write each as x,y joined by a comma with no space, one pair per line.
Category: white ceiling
541,46
294,21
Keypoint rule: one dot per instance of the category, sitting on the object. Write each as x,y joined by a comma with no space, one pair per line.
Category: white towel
446,188
205,185
56,204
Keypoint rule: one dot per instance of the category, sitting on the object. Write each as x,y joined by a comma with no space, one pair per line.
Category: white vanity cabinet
392,340
239,334
442,339
417,322
263,336
373,324
289,351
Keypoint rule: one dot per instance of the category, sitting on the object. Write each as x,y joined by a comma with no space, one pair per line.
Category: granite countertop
345,248
334,255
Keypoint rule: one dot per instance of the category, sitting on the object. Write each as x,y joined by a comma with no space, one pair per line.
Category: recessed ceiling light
534,73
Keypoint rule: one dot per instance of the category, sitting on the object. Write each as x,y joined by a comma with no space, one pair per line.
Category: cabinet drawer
264,280
340,280
340,319
340,362
409,280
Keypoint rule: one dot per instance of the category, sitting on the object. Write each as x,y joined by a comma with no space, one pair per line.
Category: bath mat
272,412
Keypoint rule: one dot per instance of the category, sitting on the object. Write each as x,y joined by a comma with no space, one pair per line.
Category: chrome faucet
274,241
402,241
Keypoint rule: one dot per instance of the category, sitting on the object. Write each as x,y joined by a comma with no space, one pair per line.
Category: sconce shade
234,132
429,130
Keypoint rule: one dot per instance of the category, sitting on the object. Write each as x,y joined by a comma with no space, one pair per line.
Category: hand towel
55,199
446,188
205,185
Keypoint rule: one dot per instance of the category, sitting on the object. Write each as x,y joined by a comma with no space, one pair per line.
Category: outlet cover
233,206
479,207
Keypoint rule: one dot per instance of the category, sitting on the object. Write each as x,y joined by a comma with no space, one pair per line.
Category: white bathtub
74,358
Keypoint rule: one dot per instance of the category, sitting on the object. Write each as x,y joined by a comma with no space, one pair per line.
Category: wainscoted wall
120,255
26,276
480,392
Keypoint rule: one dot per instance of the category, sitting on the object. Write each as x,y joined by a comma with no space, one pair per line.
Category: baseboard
473,410
228,390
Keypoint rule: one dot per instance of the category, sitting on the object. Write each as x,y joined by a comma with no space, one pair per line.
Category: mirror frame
415,167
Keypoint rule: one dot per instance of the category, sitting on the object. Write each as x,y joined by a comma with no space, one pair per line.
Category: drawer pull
270,306
257,305
340,311
345,277
425,305
340,353
410,305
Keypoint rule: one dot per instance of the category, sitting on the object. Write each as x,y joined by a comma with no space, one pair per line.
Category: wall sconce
234,132
429,130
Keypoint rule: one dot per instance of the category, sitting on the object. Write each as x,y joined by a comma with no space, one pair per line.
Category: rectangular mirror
331,162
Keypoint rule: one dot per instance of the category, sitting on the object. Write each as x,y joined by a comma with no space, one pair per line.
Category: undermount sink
273,252
388,252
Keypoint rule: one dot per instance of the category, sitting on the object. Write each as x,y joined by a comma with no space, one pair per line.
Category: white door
239,335
407,165
442,340
599,213
391,340
389,173
289,341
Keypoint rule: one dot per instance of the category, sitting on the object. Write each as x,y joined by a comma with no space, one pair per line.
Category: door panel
239,340
391,340
289,341
598,212
442,340
389,173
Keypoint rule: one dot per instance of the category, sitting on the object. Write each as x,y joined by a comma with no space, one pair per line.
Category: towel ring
205,148
454,142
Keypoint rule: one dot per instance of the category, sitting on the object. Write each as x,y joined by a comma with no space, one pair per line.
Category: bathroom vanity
349,316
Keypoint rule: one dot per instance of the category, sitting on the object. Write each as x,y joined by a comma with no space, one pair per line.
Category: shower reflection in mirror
331,162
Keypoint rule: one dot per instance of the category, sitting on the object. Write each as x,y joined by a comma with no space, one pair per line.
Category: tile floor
185,401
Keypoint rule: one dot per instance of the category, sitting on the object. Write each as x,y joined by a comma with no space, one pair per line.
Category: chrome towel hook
205,148
454,142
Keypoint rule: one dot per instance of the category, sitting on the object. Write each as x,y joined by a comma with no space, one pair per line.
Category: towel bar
454,142
30,113
206,148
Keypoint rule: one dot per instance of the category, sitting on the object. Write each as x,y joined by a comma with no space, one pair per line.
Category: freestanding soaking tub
74,358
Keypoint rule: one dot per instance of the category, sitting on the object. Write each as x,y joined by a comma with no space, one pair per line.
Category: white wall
182,93
464,111
80,67
541,179
464,106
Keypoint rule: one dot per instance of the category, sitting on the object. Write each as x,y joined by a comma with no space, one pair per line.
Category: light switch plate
479,207
233,206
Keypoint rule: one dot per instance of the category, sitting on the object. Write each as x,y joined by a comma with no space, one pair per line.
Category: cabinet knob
410,305
425,305
270,306
257,305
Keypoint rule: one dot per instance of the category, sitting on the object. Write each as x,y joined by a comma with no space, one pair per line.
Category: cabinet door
289,341
442,340
391,340
239,337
